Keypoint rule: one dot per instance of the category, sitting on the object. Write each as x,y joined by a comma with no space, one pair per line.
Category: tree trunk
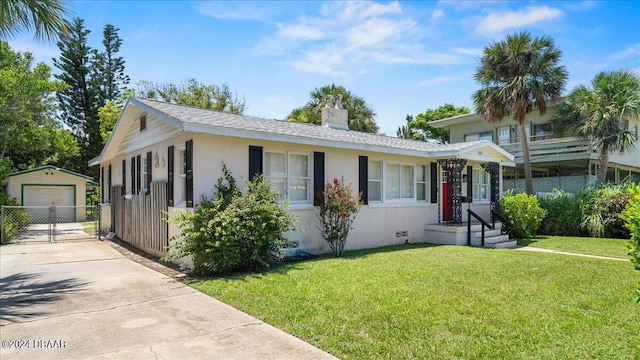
5,137
602,170
528,178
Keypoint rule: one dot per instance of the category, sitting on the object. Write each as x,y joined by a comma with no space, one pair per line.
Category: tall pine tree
108,68
93,78
77,101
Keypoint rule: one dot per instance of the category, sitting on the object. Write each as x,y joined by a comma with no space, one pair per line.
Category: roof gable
51,167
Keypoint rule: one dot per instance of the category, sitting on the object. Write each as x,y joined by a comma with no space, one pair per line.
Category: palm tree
361,115
601,114
46,17
518,75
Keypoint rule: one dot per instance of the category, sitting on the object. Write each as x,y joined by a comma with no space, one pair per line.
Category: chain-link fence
48,223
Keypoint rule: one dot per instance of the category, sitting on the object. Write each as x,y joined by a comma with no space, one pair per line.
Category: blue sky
401,57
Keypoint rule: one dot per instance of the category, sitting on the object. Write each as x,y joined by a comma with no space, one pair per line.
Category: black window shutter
255,161
149,169
470,183
318,178
363,178
434,183
170,168
124,177
109,184
138,167
188,154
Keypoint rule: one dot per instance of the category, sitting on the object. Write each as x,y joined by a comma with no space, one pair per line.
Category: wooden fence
140,220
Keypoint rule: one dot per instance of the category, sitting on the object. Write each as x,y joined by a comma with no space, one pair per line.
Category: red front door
446,201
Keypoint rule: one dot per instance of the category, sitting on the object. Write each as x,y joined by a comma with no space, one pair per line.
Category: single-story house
49,185
163,157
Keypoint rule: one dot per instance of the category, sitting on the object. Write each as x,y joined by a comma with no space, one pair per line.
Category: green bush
14,219
336,213
563,214
524,212
631,217
236,231
601,208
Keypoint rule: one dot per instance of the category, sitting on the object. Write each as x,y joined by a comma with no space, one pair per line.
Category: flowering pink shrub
336,213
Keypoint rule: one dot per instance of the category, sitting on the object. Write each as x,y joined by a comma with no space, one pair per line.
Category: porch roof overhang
480,151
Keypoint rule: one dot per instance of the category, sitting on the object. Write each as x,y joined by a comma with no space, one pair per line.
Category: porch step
502,245
477,227
457,235
495,239
487,233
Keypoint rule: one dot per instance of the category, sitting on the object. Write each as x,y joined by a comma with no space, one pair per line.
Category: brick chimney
335,116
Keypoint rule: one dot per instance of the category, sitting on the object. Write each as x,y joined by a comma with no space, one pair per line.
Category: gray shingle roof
195,118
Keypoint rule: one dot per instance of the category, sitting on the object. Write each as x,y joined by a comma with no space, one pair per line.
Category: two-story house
557,162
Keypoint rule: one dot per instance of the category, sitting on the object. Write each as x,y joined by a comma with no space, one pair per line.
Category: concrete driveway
85,300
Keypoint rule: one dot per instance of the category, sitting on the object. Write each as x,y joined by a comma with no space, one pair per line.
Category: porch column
454,181
494,177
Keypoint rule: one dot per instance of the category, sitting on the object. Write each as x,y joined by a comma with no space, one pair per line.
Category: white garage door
40,195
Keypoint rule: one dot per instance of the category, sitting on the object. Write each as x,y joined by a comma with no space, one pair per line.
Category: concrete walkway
85,300
534,249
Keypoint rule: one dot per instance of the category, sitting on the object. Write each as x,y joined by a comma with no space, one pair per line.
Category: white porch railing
545,147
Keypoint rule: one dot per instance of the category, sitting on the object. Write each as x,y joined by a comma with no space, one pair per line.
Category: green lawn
581,245
418,301
89,227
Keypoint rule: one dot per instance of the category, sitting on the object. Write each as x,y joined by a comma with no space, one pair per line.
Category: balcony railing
544,146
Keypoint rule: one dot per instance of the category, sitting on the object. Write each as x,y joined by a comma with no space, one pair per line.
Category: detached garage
49,185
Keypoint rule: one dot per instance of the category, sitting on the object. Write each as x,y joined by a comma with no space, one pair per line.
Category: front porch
457,234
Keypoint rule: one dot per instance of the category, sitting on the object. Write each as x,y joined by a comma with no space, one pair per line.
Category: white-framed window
542,131
481,136
181,196
504,134
289,174
374,181
299,179
398,181
421,183
143,174
481,185
393,181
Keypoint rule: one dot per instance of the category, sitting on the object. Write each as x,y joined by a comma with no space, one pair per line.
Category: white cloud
235,10
325,62
581,5
300,32
631,52
499,21
468,51
437,14
349,38
377,31
417,59
436,81
360,10
42,52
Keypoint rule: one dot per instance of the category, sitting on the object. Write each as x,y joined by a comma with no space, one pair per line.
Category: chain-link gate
49,223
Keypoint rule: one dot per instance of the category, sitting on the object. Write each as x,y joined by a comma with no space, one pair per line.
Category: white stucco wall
376,224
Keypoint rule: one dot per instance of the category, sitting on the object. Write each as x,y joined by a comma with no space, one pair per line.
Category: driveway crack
100,310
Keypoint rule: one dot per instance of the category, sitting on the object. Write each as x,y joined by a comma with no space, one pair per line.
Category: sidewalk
534,249
85,300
